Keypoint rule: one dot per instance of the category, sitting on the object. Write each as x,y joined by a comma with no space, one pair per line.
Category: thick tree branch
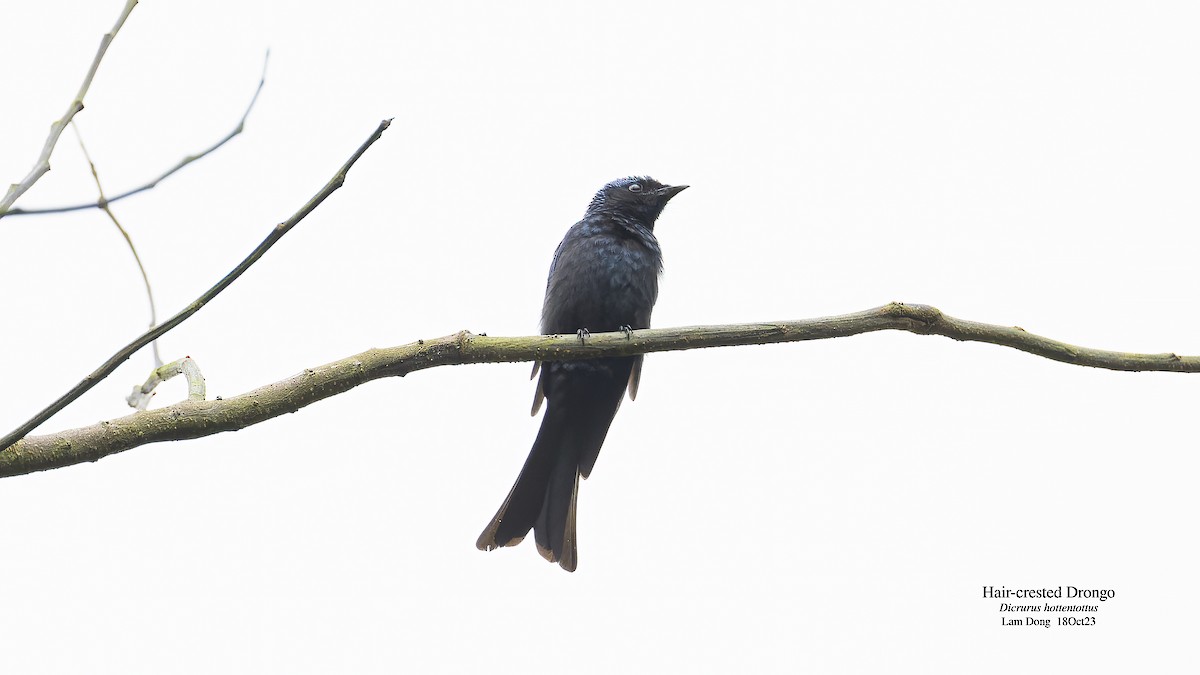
43,162
193,419
103,202
153,334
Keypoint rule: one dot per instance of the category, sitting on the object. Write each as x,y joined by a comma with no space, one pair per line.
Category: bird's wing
540,394
635,377
605,388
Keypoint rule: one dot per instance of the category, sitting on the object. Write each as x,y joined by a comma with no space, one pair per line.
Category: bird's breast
602,281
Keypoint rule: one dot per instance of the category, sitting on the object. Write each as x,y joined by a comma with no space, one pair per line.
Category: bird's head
639,197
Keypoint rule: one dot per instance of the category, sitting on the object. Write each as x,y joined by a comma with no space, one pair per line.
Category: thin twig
194,419
149,336
241,125
140,397
124,233
56,129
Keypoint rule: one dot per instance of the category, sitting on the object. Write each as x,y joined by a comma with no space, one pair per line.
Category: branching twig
149,336
193,419
56,129
241,125
140,398
124,233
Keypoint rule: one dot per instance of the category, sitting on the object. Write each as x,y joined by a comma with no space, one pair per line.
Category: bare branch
124,233
56,129
241,125
194,419
140,398
153,334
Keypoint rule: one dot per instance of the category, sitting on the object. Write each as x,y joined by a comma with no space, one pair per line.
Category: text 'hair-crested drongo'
604,278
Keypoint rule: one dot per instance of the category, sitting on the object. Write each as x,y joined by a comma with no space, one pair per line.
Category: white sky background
833,506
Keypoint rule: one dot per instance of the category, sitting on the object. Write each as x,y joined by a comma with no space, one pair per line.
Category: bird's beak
670,191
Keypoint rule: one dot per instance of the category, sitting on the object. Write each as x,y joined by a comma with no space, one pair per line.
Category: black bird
604,278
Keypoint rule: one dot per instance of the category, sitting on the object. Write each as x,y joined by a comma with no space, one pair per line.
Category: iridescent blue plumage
599,200
604,278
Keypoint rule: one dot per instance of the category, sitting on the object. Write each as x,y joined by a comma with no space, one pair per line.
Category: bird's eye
635,188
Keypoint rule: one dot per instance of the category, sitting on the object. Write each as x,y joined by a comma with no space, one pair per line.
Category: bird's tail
578,414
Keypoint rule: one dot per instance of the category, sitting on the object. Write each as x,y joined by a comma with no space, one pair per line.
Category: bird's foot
627,330
583,335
